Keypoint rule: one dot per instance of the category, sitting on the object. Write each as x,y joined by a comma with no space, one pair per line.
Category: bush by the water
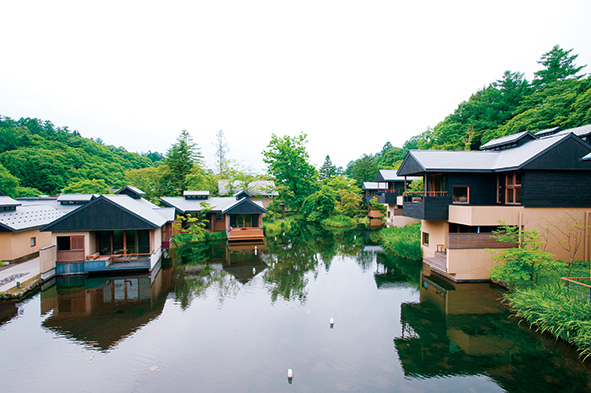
552,309
403,241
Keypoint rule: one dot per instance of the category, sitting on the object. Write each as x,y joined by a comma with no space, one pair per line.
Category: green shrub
403,241
522,265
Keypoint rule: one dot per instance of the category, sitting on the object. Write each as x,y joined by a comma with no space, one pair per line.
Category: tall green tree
558,65
288,162
179,162
328,169
364,169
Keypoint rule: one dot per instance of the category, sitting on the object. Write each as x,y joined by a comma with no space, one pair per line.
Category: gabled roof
132,191
581,132
547,132
112,212
245,206
420,161
76,197
391,175
508,140
372,185
242,194
8,202
28,217
214,204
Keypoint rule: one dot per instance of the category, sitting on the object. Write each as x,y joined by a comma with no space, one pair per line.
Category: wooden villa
111,233
389,188
239,216
527,180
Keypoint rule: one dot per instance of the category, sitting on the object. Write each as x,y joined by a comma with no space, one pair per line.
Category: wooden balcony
427,205
245,234
438,261
475,241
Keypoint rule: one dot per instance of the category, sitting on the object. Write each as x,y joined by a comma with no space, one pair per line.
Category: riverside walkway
18,273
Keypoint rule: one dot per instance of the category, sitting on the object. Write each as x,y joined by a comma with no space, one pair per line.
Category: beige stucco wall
476,264
47,259
472,264
437,230
155,239
545,221
484,215
14,245
88,247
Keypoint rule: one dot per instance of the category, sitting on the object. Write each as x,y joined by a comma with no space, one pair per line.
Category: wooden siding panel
565,156
556,189
475,241
483,186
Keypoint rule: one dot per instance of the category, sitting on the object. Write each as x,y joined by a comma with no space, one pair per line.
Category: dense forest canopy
38,158
559,95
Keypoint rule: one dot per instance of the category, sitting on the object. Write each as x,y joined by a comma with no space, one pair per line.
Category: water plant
403,241
551,308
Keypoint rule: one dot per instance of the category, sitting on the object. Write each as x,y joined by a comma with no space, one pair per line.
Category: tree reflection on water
287,261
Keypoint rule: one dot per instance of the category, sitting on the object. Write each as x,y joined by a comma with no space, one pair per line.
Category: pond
235,319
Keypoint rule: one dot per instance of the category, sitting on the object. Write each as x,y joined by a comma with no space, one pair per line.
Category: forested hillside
38,158
558,95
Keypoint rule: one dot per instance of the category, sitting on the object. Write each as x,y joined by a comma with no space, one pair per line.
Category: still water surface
216,319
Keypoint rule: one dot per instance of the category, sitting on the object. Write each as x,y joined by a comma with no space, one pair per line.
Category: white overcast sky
352,75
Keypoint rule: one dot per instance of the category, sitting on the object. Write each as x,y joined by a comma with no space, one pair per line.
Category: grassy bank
404,242
550,307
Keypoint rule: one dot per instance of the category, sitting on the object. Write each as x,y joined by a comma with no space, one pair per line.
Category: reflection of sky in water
238,324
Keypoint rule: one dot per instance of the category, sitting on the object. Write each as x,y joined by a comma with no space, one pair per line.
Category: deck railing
417,196
578,288
119,257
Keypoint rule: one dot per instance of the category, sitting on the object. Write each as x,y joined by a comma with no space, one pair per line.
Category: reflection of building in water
462,329
244,260
8,310
100,311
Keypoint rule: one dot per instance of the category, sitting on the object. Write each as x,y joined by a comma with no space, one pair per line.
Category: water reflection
461,329
8,310
287,261
100,312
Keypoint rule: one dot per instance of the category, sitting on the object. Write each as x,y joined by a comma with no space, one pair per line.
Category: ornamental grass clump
552,309
403,241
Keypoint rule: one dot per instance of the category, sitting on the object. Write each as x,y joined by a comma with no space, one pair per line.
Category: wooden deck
245,234
439,262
